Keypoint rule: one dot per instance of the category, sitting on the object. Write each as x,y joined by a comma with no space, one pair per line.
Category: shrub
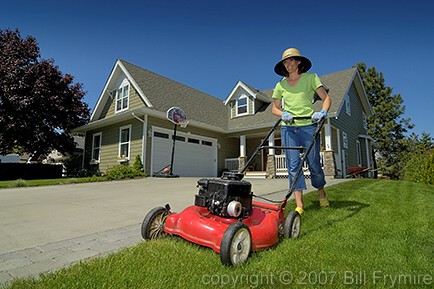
19,183
420,168
119,172
138,166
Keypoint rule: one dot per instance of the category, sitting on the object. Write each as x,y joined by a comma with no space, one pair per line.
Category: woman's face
291,64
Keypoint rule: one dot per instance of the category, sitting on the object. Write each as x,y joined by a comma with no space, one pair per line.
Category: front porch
277,161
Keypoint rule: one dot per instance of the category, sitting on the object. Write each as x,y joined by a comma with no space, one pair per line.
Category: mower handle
264,146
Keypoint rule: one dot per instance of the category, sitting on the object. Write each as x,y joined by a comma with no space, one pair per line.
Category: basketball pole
173,150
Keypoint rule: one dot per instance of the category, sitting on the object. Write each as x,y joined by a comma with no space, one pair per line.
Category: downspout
84,151
144,132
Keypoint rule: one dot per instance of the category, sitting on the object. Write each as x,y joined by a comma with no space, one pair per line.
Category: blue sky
210,45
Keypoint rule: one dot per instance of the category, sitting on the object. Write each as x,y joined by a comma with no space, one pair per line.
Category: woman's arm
276,110
326,100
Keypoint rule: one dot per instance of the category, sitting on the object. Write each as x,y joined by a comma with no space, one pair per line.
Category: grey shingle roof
164,93
338,84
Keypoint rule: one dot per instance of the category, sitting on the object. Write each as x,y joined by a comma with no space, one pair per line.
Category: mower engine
226,197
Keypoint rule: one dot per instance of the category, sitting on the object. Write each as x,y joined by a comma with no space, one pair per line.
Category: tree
386,125
38,104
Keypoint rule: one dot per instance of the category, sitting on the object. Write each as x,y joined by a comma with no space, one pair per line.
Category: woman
293,98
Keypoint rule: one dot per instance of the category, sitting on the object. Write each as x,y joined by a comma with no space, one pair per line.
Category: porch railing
280,163
232,164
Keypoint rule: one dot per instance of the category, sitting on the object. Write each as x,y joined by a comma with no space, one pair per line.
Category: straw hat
292,52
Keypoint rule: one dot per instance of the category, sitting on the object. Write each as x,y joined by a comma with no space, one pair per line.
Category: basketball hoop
177,116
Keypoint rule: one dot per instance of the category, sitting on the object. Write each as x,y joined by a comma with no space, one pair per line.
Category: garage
195,156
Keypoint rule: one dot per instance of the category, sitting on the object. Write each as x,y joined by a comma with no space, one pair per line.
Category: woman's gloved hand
317,116
287,117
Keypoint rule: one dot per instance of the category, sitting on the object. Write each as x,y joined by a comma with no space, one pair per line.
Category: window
122,96
347,105
365,120
207,143
359,153
124,142
344,140
193,140
96,146
242,105
161,134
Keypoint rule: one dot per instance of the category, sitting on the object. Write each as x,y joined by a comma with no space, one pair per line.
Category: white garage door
195,156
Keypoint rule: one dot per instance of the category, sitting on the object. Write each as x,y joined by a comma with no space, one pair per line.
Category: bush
138,166
119,172
19,183
420,168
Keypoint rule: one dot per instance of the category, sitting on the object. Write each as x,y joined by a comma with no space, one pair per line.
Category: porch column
242,146
271,160
271,143
243,156
329,156
328,135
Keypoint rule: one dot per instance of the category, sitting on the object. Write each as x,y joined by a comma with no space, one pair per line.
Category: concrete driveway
39,226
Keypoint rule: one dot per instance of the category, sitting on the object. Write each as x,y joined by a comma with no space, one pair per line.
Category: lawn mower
224,216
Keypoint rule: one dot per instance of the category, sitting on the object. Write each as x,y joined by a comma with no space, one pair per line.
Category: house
130,119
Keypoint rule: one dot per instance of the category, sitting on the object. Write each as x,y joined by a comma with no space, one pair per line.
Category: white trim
117,69
125,84
359,153
243,86
247,98
129,141
242,146
368,155
134,83
328,135
271,143
366,137
93,146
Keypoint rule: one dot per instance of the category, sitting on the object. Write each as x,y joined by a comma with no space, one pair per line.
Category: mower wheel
236,244
292,225
153,224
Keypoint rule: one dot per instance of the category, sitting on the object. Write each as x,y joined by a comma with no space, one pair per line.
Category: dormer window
347,105
242,105
122,96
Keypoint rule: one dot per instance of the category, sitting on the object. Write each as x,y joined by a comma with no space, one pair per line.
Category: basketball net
183,124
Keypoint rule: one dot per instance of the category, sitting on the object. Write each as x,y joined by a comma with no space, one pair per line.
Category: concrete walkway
43,229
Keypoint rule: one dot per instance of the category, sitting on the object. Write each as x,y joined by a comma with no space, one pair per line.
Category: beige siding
134,101
110,144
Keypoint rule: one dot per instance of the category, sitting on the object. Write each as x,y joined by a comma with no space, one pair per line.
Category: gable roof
256,93
339,84
160,93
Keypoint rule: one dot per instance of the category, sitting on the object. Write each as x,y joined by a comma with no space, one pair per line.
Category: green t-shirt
298,99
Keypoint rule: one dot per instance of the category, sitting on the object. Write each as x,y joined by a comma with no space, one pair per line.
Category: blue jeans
303,136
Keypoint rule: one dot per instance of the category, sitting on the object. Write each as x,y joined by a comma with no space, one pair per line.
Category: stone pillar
329,163
271,167
241,162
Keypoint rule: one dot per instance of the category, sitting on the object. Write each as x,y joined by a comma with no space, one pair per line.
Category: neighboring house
130,119
10,158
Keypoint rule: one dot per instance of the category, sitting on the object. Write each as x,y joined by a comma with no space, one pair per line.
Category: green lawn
47,182
376,234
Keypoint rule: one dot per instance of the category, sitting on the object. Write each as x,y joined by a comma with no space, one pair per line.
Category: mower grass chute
225,218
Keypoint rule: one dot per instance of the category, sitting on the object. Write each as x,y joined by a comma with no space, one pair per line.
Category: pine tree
386,125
